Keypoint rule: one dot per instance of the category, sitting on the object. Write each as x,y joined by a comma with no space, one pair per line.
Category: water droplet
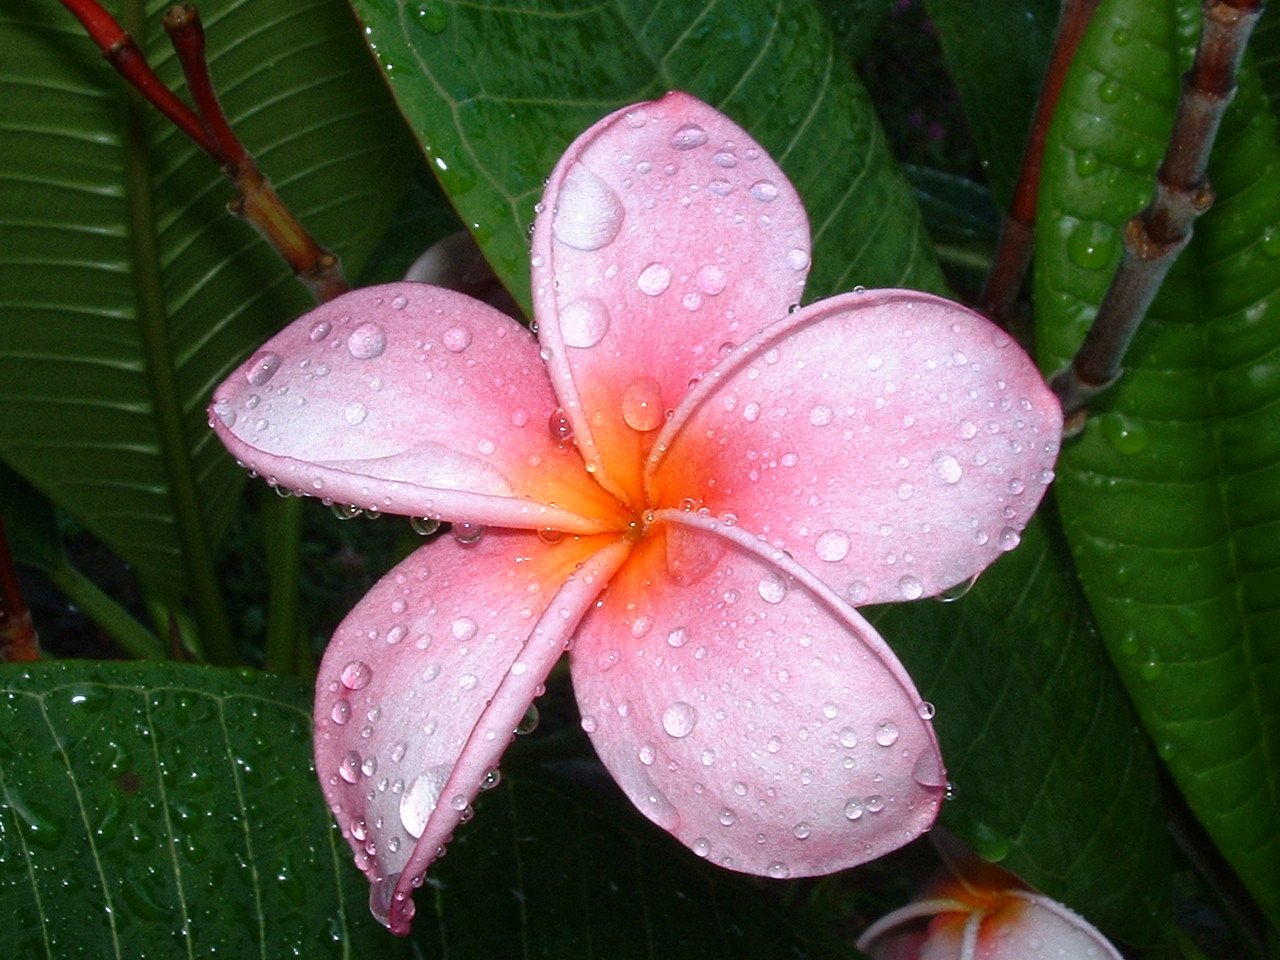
772,589
711,280
886,733
853,809
654,279
1090,245
420,798
778,870
319,330
928,771
367,341
678,719
491,779
677,637
349,767
584,322
262,368
340,713
1126,436
466,533
848,739
529,722
560,427
947,468
345,511
820,415
688,136
911,588
463,629
642,405
765,191
588,212
432,16
727,817
589,723
701,846
468,681
926,710
1086,164
1271,241
1109,91
801,830
1008,539
456,339
424,526
647,754
356,675
797,259
832,546
874,803
223,410
356,413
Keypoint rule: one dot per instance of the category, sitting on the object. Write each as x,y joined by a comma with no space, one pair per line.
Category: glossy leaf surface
109,216
1043,786
496,92
161,811
1169,496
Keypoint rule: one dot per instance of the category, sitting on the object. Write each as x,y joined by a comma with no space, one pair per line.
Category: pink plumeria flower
988,914
683,480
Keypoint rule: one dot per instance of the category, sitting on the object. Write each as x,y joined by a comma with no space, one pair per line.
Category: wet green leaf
1169,497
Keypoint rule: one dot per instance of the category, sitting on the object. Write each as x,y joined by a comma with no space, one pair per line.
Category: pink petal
1029,925
665,234
424,682
414,400
893,442
748,711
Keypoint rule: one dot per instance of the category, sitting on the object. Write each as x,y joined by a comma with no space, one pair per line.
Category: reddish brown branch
18,641
1013,252
256,200
1155,236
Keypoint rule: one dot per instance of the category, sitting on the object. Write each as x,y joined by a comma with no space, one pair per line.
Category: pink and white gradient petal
665,234
749,712
413,400
893,442
425,682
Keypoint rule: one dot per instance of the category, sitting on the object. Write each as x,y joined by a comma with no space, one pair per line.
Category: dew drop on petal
711,280
340,713
853,809
677,637
367,341
688,136
588,212
466,533
832,546
820,415
464,628
584,322
678,719
356,413
642,404
801,830
765,190
925,710
349,767
262,368
886,733
778,870
947,468
647,754
928,771
701,846
1008,539
420,799
456,339
654,279
356,675
559,425
772,589
911,588
319,330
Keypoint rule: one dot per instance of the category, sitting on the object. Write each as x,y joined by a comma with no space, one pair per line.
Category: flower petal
748,711
414,400
893,442
665,233
425,681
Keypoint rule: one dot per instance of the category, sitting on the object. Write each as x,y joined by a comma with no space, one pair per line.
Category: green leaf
855,23
562,867
997,54
495,94
1169,496
1051,775
164,811
112,218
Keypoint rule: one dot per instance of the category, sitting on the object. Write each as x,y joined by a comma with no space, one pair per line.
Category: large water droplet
853,809
1125,435
588,212
1090,245
765,190
584,322
356,675
772,589
832,546
911,588
456,339
642,405
928,771
420,799
654,279
262,368
678,719
886,733
367,341
688,136
947,468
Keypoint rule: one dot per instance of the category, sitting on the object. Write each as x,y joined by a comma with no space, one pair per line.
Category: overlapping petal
413,400
891,441
424,684
666,236
749,712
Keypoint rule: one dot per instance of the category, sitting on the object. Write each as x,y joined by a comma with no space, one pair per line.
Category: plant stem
166,402
256,201
1155,236
1017,233
18,641
131,636
282,518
